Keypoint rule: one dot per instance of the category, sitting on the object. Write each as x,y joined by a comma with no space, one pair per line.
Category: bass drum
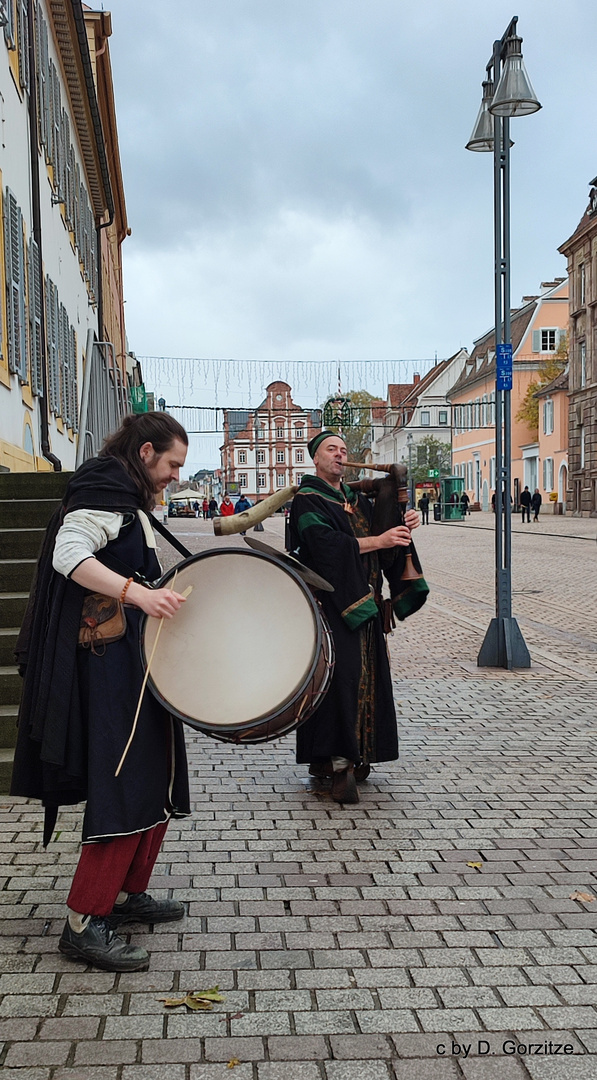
249,656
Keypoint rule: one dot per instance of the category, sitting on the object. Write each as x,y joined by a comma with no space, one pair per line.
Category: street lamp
507,92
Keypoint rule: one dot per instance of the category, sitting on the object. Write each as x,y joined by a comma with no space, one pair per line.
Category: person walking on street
464,504
227,506
536,501
424,508
205,508
525,502
213,508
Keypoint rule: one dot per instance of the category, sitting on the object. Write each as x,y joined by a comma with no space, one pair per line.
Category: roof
397,392
559,383
482,359
424,383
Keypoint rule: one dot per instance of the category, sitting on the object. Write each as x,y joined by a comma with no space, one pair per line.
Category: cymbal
308,576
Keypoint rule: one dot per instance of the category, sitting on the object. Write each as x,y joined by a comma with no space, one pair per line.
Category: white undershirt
86,531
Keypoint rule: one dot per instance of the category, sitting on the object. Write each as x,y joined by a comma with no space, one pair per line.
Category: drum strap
163,531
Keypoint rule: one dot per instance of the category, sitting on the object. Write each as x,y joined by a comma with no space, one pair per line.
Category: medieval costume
78,702
357,718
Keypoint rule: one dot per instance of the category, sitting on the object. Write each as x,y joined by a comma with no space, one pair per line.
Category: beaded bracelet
123,593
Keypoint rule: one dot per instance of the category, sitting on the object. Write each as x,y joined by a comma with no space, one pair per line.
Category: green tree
357,432
428,454
552,366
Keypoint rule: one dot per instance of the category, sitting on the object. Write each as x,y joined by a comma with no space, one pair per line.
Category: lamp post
409,443
507,92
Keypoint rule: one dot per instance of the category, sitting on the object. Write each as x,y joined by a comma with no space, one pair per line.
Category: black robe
77,707
357,718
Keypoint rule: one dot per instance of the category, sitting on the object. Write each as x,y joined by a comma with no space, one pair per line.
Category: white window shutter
560,337
536,341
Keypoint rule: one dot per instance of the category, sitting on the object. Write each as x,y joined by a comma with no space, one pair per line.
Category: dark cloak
324,536
77,708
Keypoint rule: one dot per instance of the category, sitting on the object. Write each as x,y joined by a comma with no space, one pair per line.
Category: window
299,431
242,479
425,419
299,477
583,363
242,457
492,472
300,457
260,431
469,476
280,479
477,413
547,421
443,416
484,411
261,480
280,457
581,432
469,417
548,474
261,457
279,432
548,341
581,285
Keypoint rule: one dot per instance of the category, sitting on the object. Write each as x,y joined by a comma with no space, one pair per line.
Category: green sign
433,474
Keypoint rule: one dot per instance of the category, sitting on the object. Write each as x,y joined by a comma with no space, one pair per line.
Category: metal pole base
504,646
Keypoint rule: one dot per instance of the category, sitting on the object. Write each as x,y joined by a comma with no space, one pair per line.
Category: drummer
355,725
78,703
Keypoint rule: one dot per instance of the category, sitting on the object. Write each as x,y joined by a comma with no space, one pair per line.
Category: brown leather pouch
102,622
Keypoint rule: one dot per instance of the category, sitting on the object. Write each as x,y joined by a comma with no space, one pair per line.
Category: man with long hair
79,702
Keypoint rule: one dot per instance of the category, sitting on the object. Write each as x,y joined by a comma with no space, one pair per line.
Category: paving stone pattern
359,943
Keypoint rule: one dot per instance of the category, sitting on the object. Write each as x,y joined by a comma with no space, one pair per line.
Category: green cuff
411,599
360,613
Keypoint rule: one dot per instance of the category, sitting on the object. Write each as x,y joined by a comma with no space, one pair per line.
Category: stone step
16,575
12,609
27,513
8,640
6,760
20,543
33,485
10,686
8,726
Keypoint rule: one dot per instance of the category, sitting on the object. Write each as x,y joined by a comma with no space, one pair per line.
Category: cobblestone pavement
427,933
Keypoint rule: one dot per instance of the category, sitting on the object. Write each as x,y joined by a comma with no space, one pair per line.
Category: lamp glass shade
514,95
481,139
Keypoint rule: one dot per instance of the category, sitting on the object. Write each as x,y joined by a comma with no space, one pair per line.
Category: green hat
317,440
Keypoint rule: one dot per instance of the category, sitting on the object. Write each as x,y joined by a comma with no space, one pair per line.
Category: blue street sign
503,363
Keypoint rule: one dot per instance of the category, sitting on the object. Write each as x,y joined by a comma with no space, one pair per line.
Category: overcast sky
296,178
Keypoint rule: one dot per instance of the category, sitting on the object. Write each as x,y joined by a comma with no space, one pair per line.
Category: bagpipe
401,566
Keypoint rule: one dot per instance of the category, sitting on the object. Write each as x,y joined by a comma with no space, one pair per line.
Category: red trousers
120,865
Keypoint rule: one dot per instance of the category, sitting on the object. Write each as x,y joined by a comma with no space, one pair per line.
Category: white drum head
242,644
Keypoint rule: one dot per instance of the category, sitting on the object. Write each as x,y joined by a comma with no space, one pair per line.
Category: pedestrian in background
424,508
196,508
465,504
525,503
205,509
227,507
536,501
213,508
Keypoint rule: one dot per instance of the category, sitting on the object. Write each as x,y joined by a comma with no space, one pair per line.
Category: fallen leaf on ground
232,1063
475,865
198,999
586,897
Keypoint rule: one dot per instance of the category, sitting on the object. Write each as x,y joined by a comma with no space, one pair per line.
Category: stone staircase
27,502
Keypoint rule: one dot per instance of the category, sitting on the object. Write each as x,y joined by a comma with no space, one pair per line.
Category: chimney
416,378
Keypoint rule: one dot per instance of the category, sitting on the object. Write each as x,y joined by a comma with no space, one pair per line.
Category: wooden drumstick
186,593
